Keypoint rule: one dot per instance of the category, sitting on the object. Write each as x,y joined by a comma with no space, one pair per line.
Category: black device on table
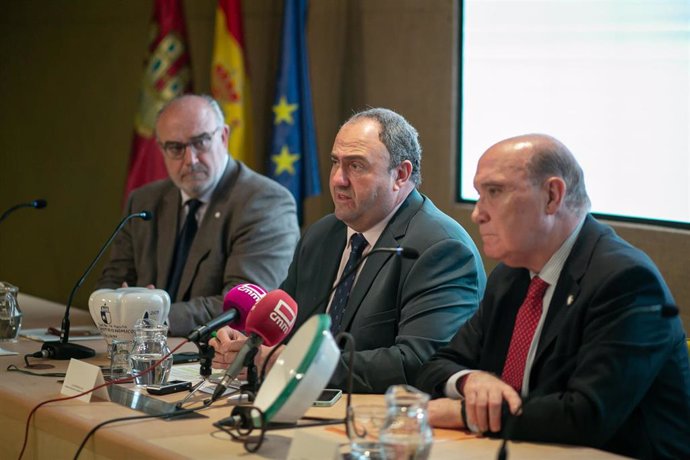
174,386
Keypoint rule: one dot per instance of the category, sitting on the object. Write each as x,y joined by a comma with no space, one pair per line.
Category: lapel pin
570,300
217,215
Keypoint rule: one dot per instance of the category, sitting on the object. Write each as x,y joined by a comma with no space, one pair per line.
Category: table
58,428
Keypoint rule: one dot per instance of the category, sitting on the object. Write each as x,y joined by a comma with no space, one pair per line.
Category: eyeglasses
200,144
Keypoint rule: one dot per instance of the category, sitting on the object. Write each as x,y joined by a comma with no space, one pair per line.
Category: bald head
544,156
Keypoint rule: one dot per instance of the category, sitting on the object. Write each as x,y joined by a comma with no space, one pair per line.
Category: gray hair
213,104
553,158
398,136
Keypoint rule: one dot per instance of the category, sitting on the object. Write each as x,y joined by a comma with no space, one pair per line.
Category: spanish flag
166,74
230,81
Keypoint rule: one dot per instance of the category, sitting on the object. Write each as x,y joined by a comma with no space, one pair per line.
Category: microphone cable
97,387
177,413
242,422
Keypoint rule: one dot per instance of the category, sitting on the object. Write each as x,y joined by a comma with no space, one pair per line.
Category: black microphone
405,252
62,349
36,204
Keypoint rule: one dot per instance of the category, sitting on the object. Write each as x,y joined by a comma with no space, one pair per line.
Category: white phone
328,397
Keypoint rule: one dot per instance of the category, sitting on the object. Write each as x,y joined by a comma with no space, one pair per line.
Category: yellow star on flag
283,111
285,161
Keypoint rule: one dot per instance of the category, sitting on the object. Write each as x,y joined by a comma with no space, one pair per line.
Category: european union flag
293,158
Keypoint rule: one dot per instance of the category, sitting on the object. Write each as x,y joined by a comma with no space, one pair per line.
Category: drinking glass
150,346
364,421
119,358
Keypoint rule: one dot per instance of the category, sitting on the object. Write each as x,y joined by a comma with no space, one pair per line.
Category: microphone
268,323
238,302
36,204
62,349
405,252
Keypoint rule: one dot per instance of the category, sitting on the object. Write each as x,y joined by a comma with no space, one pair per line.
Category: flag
166,75
293,155
230,81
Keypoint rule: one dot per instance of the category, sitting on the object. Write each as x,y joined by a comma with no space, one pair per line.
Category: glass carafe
10,315
150,346
407,427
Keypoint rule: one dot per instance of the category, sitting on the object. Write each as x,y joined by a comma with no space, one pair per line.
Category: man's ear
225,136
403,173
555,192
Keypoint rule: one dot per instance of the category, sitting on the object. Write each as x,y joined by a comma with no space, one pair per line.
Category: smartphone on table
328,397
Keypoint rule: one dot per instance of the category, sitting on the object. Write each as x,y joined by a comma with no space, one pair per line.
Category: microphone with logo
63,349
36,204
236,306
268,323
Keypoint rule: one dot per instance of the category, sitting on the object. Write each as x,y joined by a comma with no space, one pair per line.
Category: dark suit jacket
610,371
248,235
400,310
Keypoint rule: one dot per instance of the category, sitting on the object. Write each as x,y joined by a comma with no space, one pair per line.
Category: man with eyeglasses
216,223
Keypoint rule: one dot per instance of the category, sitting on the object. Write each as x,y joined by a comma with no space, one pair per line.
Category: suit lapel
168,221
209,226
324,267
394,231
511,292
568,286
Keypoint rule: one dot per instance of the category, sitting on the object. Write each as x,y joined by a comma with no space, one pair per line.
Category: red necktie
525,324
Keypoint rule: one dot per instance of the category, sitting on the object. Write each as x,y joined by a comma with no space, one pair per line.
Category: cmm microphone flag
268,323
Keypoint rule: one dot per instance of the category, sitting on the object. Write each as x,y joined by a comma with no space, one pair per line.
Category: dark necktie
525,324
342,293
182,245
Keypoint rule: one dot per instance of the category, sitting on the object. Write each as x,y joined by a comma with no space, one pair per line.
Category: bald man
574,332
246,223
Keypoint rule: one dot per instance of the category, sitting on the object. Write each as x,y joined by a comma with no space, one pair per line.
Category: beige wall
69,76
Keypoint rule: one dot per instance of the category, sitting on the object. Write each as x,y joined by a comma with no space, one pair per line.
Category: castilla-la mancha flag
230,81
166,75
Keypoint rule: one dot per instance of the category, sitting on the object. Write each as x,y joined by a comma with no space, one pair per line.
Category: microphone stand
63,349
241,420
241,424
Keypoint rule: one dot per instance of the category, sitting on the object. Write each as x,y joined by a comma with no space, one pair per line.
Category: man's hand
149,286
445,413
484,395
228,342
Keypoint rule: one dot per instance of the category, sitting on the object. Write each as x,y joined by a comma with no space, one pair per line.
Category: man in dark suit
246,223
399,311
576,332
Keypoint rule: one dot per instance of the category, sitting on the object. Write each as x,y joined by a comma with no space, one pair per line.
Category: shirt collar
552,269
374,233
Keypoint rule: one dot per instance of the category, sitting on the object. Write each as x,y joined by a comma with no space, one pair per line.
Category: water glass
150,346
119,358
364,422
407,426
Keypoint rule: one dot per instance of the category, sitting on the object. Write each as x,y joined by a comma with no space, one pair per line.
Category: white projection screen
609,78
